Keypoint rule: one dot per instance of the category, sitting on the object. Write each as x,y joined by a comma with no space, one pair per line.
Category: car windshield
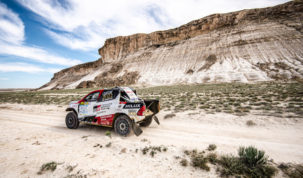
92,97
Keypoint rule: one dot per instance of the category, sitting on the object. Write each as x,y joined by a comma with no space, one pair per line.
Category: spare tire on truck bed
154,106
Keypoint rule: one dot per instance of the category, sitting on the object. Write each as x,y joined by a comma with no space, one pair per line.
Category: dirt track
32,136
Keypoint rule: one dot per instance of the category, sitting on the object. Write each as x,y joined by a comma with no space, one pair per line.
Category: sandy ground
32,135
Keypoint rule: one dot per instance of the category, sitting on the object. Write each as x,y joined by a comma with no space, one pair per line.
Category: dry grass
292,170
250,123
167,116
184,162
267,98
153,150
51,166
250,162
211,147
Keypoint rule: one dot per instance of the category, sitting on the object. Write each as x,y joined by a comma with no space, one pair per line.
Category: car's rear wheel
123,125
71,121
147,121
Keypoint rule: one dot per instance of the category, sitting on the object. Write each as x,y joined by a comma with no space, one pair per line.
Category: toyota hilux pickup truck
119,108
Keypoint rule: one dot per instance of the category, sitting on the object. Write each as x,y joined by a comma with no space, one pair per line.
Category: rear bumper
137,118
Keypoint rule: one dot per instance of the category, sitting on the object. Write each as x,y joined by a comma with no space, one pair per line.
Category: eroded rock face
87,84
128,78
244,46
286,14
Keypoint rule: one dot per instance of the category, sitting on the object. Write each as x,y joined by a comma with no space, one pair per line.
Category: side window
109,95
124,96
92,97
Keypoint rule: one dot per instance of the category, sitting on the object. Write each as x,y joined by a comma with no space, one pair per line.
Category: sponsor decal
132,112
73,105
101,112
130,93
83,109
102,108
132,105
98,108
106,120
105,106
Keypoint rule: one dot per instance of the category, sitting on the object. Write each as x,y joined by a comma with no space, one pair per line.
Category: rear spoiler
153,105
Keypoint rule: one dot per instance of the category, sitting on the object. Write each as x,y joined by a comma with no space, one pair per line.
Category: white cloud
36,54
84,25
12,41
11,28
24,67
92,41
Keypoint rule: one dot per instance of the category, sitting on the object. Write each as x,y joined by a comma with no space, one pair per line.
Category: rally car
117,107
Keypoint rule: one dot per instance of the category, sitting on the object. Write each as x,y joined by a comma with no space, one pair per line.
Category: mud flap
156,119
137,130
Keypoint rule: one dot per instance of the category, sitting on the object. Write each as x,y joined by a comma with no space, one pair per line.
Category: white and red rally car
118,107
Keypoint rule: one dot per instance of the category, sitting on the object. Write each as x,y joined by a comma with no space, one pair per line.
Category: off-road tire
71,121
123,125
146,122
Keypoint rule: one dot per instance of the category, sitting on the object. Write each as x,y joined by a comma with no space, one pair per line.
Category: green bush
230,165
48,166
292,170
198,160
251,156
211,147
212,158
251,163
184,162
108,133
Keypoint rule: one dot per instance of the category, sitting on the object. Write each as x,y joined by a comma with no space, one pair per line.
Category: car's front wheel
123,125
71,121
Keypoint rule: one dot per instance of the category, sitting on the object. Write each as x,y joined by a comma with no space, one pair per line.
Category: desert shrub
51,166
70,168
251,163
200,161
167,116
250,123
108,144
292,170
108,133
187,152
144,140
251,156
152,150
211,147
230,165
212,158
184,162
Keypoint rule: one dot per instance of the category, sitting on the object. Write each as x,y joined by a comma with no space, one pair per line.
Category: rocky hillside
244,46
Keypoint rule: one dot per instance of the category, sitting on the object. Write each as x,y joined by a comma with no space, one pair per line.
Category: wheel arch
116,116
73,110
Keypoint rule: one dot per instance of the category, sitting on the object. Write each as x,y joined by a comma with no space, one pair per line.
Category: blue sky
41,37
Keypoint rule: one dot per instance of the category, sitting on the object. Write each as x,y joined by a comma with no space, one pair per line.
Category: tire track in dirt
184,133
35,119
